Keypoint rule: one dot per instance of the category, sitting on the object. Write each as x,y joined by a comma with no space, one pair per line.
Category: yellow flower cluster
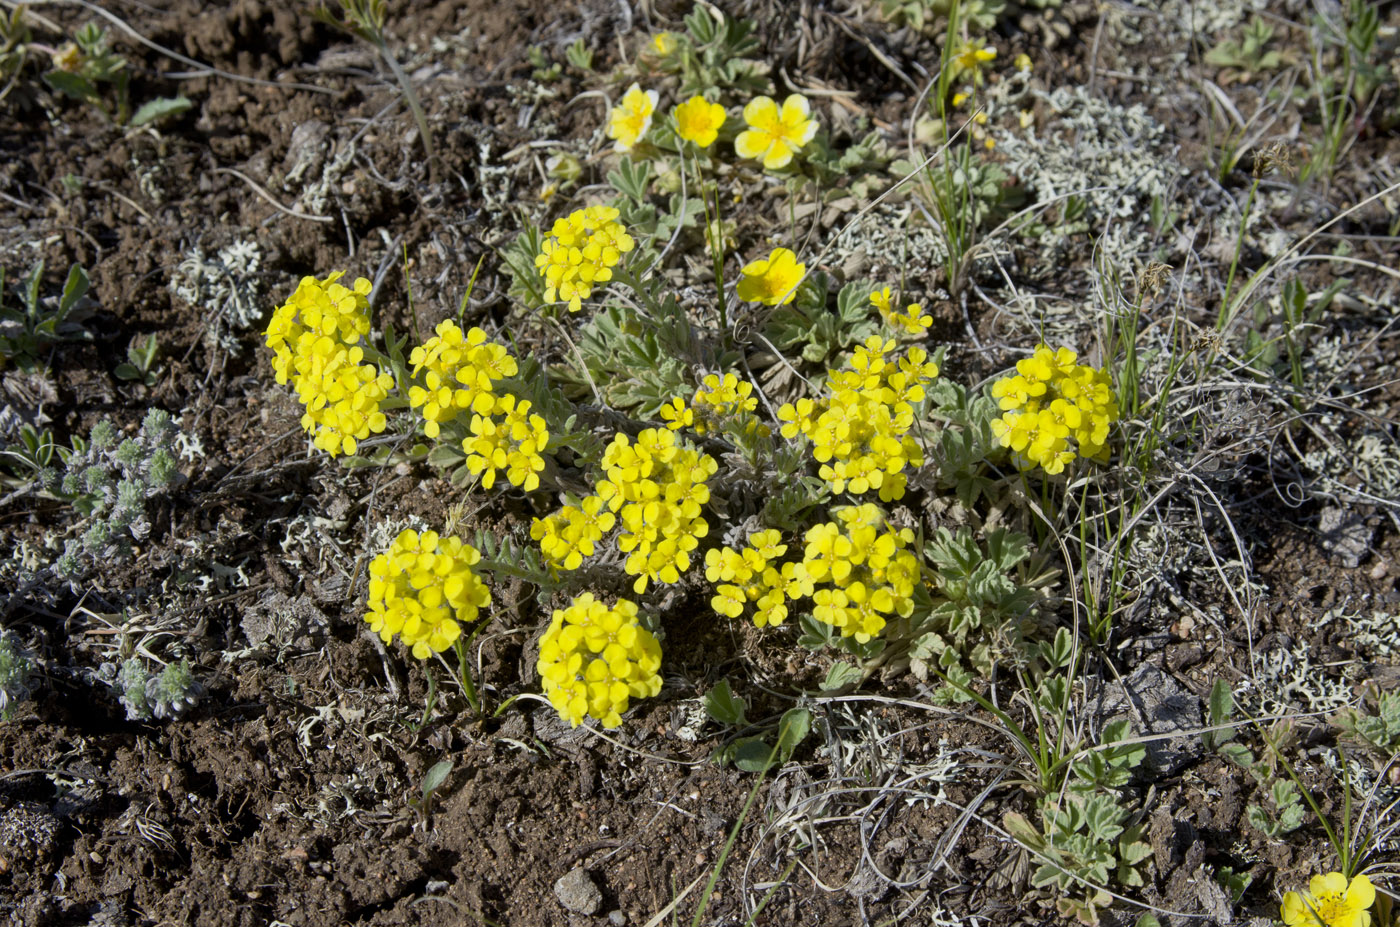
1331,901
911,321
774,281
423,589
868,574
719,399
573,532
754,575
456,372
314,338
581,250
594,659
509,438
775,133
628,122
1049,401
656,487
860,429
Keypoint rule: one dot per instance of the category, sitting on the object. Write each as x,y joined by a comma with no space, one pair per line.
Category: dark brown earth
284,797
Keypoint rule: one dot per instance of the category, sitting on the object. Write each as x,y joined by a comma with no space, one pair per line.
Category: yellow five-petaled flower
698,120
775,134
1330,902
774,281
629,122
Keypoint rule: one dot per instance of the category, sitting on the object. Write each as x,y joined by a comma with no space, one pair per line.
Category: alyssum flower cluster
650,490
654,489
423,590
595,658
316,338
1049,401
860,430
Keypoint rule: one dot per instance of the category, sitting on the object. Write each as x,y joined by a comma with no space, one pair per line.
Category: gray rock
306,152
576,891
1156,704
1344,536
617,919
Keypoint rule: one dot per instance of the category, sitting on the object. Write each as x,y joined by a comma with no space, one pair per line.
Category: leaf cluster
1297,317
140,364
26,330
966,439
1380,730
113,483
98,67
756,752
983,597
634,179
16,670
506,556
926,15
1084,844
1251,54
712,54
14,44
1286,811
146,696
806,328
635,363
32,457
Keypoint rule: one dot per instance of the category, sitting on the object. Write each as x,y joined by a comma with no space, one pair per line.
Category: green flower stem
714,234
464,673
1225,308
416,106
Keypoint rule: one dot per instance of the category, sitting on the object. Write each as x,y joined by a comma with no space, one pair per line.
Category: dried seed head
1275,157
1153,276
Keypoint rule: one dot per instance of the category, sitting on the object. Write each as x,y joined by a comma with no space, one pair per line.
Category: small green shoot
140,364
432,780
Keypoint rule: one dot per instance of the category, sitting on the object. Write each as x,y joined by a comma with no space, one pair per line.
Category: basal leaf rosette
595,658
423,589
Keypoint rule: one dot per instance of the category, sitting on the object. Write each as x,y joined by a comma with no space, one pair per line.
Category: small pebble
576,891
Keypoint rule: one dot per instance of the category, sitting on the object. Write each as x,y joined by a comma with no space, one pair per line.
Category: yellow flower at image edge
699,121
775,134
629,122
1330,902
774,281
